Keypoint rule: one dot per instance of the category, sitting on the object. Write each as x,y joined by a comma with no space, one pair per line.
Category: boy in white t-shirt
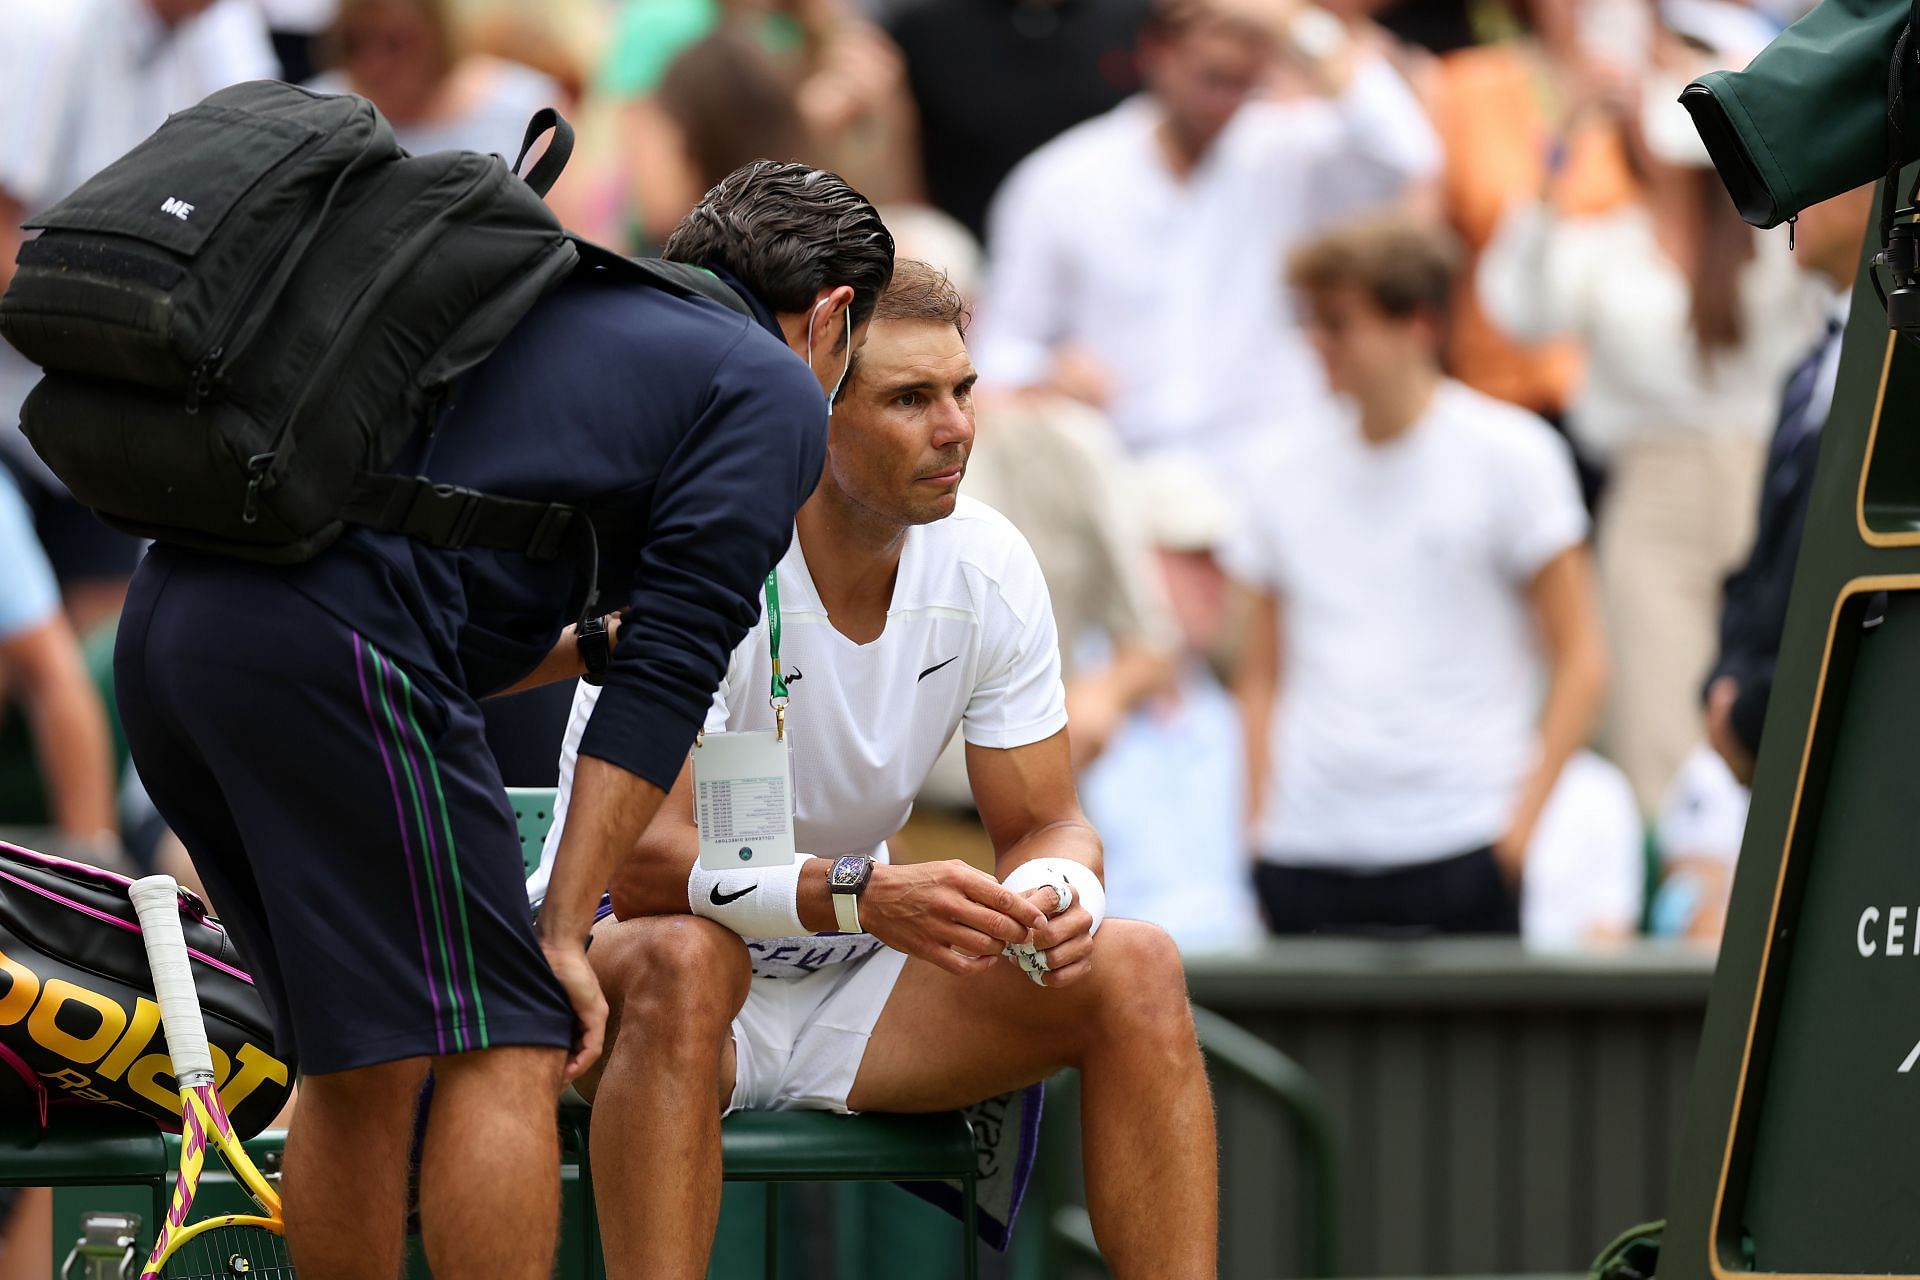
905,611
1427,652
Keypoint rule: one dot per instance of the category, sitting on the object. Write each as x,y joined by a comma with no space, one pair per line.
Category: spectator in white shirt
81,82
1423,578
1132,258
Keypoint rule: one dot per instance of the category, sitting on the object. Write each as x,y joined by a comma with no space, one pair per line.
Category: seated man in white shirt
905,611
1427,653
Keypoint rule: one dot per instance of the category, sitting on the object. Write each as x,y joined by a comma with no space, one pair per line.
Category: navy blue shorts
345,814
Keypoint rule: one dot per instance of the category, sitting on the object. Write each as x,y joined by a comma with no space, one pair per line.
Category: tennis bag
78,1024
1814,115
244,320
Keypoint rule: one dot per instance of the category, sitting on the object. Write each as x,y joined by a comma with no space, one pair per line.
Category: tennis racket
226,1246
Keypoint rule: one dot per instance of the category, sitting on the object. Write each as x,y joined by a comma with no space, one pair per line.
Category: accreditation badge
743,800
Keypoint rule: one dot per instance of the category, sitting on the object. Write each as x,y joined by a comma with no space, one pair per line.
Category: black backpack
246,318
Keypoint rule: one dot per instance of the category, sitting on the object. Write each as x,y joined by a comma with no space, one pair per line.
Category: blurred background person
993,80
1586,869
1426,652
1689,320
1704,815
1502,110
81,82
1753,613
1698,834
1133,256
44,678
847,81
722,101
410,58
1171,785
297,28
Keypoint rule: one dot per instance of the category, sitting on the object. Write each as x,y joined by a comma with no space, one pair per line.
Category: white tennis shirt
969,644
1412,675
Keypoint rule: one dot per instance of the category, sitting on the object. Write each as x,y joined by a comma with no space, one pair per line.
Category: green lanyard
778,697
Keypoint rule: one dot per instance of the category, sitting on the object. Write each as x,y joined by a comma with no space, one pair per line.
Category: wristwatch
848,880
590,638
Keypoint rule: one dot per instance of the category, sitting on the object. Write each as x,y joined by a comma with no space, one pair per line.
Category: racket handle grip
156,899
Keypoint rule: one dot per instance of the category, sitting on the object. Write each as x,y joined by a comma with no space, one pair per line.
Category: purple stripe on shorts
406,845
381,664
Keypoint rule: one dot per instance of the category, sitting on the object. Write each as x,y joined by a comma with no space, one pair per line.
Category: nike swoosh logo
720,899
935,667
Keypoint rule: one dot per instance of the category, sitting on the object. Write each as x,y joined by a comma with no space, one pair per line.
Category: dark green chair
796,1146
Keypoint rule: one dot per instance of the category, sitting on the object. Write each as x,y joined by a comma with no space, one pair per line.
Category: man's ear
828,320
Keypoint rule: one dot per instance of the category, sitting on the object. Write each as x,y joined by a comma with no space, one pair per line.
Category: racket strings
231,1253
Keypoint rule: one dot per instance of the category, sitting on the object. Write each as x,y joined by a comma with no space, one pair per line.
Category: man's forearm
70,736
1072,838
607,810
1574,696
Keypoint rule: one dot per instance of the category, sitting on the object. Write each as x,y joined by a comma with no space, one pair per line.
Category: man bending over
906,611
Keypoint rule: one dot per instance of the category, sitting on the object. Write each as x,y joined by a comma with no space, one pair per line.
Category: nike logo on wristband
935,667
720,899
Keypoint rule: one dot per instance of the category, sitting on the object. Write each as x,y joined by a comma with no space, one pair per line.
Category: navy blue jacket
616,397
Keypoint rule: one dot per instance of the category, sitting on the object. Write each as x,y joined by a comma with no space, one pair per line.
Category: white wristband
1077,878
1074,881
761,903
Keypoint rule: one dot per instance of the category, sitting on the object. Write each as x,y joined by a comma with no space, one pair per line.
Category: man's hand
1721,695
1510,850
1065,939
569,963
947,913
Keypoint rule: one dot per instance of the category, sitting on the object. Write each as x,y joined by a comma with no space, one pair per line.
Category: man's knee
1143,987
671,974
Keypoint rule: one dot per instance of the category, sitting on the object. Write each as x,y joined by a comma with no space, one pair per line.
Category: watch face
846,871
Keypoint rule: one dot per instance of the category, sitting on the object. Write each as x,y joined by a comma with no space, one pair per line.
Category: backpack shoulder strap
675,277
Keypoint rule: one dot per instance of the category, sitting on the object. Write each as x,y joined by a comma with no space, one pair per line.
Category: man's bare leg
490,1175
345,1184
673,985
945,1041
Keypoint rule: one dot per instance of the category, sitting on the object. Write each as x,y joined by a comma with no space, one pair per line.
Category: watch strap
846,911
595,652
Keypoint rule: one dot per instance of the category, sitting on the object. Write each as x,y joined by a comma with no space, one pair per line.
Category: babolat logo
106,1048
177,207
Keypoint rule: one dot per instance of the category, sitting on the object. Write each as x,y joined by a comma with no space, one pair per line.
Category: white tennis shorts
798,1042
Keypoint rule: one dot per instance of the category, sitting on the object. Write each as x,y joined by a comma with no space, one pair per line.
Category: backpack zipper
257,467
204,380
210,372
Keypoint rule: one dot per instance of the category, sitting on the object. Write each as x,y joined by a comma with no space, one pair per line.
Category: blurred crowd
1414,439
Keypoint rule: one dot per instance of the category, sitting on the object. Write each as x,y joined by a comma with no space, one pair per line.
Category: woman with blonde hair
410,57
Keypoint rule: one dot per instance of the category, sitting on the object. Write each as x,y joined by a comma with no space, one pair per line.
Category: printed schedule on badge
743,809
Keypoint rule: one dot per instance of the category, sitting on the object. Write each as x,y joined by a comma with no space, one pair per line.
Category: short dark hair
787,231
920,291
732,103
1406,267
